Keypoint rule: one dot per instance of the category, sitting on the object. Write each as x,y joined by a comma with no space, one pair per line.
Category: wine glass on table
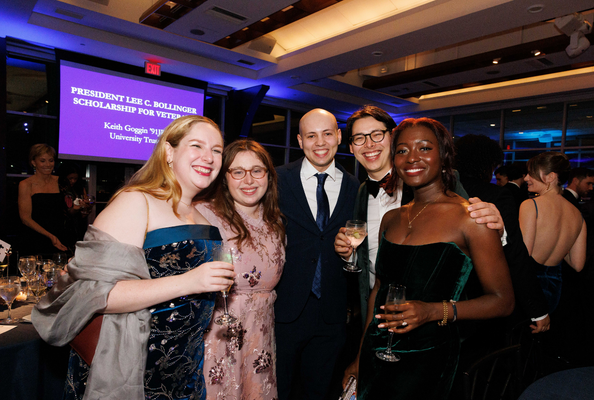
37,285
4,263
27,268
225,254
396,295
9,289
356,231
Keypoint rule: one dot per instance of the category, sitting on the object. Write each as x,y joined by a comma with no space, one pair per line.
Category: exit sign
152,68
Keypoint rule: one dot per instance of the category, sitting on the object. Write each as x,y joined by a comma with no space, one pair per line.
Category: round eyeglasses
359,139
256,172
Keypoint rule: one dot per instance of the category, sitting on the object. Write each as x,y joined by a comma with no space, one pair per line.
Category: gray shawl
117,370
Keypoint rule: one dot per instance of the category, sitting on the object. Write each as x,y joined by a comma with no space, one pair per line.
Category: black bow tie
373,187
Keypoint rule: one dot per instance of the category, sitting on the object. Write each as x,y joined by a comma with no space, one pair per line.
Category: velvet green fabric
429,353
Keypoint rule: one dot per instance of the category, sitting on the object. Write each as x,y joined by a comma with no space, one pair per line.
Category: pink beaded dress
241,363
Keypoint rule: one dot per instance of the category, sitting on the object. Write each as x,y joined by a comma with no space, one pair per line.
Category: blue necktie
322,220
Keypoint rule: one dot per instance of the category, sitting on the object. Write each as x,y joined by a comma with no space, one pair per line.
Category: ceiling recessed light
197,32
535,8
496,60
492,124
535,53
518,110
377,53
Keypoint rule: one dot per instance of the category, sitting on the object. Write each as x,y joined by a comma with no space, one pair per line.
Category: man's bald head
319,137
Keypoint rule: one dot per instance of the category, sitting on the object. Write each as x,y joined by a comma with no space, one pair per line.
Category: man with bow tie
369,131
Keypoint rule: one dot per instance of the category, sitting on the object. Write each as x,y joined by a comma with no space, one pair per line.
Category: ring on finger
404,323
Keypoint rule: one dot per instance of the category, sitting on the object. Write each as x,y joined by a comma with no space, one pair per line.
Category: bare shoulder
125,218
25,184
391,216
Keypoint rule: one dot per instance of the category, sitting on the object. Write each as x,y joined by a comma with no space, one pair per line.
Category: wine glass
356,231
4,263
225,254
60,259
27,268
9,289
37,285
50,276
396,295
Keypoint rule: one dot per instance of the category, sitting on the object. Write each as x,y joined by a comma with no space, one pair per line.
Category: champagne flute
9,289
356,231
225,254
396,295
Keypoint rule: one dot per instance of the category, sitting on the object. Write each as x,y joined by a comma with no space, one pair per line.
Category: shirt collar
371,179
573,192
309,171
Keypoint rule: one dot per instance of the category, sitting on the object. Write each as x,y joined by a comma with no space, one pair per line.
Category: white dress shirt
310,185
377,207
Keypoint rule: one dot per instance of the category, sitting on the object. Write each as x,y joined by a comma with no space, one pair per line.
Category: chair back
495,376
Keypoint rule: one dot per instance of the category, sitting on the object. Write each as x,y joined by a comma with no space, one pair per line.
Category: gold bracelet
444,321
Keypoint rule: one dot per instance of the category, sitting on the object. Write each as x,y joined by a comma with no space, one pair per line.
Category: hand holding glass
396,295
225,254
356,231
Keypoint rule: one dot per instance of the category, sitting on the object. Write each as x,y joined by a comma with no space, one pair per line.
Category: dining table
30,369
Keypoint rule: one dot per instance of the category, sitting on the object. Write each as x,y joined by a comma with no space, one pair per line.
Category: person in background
240,360
317,197
41,205
581,182
144,265
74,191
552,228
433,264
501,176
476,158
515,182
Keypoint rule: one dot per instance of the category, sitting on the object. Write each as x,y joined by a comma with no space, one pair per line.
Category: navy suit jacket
571,198
305,243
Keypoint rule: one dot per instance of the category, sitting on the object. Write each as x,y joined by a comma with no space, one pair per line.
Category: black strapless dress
429,353
176,342
48,210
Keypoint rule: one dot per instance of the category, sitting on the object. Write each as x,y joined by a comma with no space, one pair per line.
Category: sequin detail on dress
176,340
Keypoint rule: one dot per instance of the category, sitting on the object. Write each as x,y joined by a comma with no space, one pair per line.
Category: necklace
185,204
410,221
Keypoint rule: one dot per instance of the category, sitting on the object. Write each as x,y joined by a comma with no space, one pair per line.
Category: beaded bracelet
444,321
455,310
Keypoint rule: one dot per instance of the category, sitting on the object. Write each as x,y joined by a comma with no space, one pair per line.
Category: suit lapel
297,190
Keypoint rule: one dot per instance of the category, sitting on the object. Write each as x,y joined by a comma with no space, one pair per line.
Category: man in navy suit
581,181
317,197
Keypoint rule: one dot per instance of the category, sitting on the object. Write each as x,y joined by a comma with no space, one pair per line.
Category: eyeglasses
256,172
375,136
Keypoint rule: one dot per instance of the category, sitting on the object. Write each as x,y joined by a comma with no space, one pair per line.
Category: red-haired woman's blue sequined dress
176,342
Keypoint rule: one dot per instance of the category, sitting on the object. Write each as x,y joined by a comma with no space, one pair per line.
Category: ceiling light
496,60
383,70
492,125
574,26
535,53
518,110
377,53
535,8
